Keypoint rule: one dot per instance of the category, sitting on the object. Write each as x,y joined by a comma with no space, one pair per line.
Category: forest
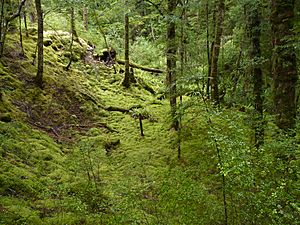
149,112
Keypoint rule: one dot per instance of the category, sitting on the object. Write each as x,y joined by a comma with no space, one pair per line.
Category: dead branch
133,65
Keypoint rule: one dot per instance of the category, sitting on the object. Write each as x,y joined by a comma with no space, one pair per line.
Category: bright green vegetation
68,158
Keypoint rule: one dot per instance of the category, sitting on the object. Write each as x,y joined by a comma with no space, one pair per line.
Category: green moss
16,211
65,159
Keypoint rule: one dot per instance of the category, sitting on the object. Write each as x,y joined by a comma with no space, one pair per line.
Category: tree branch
12,17
157,6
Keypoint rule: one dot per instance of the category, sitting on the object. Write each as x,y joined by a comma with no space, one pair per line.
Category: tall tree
284,63
255,55
183,59
216,51
171,60
126,81
40,44
1,25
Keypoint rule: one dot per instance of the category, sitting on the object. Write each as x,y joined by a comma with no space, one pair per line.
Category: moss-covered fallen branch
133,65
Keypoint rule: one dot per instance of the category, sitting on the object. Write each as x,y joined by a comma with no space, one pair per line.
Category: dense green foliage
72,153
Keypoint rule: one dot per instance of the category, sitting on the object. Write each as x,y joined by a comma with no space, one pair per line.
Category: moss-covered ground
72,152
66,158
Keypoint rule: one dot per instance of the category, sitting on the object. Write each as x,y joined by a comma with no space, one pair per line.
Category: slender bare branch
12,17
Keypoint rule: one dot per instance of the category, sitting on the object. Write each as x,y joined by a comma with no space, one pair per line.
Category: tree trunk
284,63
73,27
21,36
104,38
255,55
207,48
171,60
183,61
25,23
85,18
216,52
141,124
32,12
5,22
73,34
39,75
126,81
1,25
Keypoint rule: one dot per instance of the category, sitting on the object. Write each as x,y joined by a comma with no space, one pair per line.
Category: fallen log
118,109
133,65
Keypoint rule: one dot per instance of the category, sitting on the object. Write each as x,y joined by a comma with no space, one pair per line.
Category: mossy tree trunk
85,15
39,75
216,52
284,63
126,81
255,55
171,60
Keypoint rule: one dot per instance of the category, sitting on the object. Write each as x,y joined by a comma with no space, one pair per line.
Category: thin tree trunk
21,36
207,48
255,54
1,25
25,23
73,34
141,124
216,52
71,53
171,61
39,75
105,39
182,68
236,76
1,19
32,12
73,26
6,23
85,18
284,63
126,81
